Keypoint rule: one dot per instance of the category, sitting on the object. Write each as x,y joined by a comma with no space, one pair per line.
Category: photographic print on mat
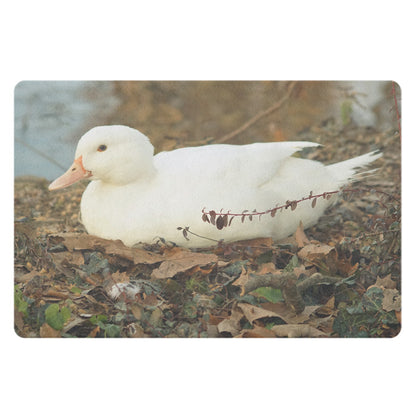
208,209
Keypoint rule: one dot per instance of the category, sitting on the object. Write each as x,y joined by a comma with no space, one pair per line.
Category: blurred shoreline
51,116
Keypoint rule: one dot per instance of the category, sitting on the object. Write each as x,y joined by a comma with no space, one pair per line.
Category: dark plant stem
291,204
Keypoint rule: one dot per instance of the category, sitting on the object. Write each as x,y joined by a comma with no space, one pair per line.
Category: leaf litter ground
340,278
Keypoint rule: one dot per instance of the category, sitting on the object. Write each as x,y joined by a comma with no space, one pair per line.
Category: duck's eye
101,148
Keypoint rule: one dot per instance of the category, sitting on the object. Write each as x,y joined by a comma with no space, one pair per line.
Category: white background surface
216,40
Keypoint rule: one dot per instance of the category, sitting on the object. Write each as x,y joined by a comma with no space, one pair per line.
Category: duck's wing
252,164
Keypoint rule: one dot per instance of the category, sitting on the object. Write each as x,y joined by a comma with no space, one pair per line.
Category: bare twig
223,219
210,215
40,153
276,281
258,116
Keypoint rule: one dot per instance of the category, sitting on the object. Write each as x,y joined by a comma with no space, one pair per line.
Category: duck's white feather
137,197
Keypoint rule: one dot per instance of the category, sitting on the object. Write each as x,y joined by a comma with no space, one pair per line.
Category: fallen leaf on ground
391,300
231,324
74,258
212,331
328,308
242,280
255,242
323,324
256,245
252,312
150,300
179,260
297,331
24,278
94,332
46,331
300,236
385,283
267,268
78,241
338,263
302,270
256,332
287,314
313,252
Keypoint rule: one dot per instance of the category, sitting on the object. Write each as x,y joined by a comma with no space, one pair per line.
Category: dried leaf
212,215
46,331
94,332
314,203
345,268
300,236
253,313
179,260
297,331
257,246
257,332
137,311
151,300
185,234
242,280
293,205
385,283
205,217
328,308
77,241
286,313
273,212
220,222
391,300
24,278
313,252
265,268
231,324
71,259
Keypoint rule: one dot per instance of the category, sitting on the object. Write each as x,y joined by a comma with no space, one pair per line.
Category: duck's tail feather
346,171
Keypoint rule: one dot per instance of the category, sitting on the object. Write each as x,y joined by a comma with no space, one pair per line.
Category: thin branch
212,217
289,204
186,231
258,116
40,153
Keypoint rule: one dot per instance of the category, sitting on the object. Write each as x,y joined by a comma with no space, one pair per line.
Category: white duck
136,197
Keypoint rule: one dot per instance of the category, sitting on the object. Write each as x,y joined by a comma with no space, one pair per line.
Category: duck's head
113,154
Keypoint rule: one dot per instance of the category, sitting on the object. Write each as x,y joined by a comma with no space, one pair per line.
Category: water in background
51,116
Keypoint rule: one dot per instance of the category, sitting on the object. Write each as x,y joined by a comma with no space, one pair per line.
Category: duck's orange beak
75,173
